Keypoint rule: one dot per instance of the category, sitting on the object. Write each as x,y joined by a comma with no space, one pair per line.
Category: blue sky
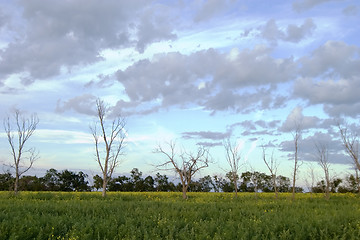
197,72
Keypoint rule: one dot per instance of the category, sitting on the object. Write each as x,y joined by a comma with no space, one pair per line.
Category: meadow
160,215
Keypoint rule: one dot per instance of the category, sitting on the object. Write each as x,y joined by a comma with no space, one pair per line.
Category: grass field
46,215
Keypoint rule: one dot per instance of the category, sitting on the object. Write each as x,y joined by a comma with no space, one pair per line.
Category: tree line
69,181
109,136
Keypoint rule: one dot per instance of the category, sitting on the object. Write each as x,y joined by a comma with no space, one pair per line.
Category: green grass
46,215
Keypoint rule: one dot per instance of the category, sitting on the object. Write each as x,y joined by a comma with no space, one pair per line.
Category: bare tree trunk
323,161
184,190
235,185
104,185
311,176
16,184
295,171
296,135
357,180
275,187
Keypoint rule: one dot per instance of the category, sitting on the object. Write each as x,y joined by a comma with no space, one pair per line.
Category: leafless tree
185,164
272,165
233,157
109,141
310,180
323,160
351,144
18,130
296,136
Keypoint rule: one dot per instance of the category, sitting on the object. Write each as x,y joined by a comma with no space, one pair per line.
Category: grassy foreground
46,215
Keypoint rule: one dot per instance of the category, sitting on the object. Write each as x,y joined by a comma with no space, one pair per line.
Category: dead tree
233,157
272,165
351,145
18,131
310,180
109,142
185,164
296,136
323,160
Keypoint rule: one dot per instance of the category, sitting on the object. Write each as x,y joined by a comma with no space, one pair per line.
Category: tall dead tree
310,180
109,140
323,160
351,144
233,157
296,136
185,164
18,130
272,165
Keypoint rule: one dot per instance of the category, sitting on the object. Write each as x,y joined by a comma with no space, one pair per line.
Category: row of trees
109,138
69,181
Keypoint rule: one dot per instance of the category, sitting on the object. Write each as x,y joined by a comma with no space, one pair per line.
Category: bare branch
296,135
272,165
110,139
24,129
351,144
233,157
186,164
323,160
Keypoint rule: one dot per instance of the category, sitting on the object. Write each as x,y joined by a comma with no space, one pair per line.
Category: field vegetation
165,215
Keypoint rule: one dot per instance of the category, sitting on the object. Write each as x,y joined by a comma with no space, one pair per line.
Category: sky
195,72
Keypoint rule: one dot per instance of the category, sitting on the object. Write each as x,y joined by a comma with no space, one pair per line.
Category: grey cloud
127,108
260,133
338,97
167,78
3,19
308,151
271,124
293,33
206,135
210,8
248,125
205,77
222,101
303,5
101,80
244,103
70,33
243,70
209,144
271,31
338,64
252,127
328,91
351,10
340,110
296,34
332,59
295,118
153,28
84,104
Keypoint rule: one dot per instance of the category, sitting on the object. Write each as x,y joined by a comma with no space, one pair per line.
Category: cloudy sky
197,72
